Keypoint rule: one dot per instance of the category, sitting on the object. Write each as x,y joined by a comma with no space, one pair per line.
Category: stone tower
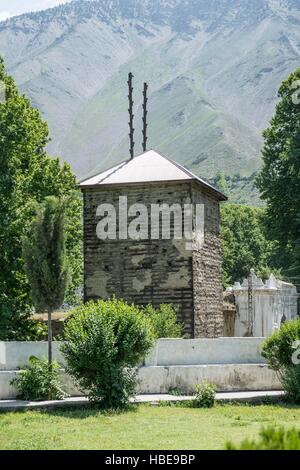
154,268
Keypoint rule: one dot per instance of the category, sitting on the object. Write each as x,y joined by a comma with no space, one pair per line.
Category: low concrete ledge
226,377
166,352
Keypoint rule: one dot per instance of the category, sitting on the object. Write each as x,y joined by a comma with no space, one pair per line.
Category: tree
279,179
45,258
221,183
105,342
27,175
244,244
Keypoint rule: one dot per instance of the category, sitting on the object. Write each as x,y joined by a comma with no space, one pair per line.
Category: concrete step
226,378
163,379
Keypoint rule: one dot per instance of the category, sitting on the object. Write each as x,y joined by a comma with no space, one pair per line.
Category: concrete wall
15,354
226,378
170,352
229,363
166,352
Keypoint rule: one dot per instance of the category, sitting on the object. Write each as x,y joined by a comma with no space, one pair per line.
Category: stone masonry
157,271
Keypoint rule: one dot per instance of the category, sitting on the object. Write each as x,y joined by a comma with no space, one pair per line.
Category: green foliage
20,327
271,439
244,244
35,330
164,321
37,381
282,351
239,189
279,180
221,183
205,395
44,249
105,341
290,380
279,348
28,175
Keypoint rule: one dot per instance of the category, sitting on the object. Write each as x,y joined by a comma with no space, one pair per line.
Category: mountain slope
213,69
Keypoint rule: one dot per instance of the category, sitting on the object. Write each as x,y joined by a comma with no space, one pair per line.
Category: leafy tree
28,174
221,183
279,180
244,245
45,259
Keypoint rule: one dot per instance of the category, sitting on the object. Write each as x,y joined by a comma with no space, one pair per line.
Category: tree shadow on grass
279,403
88,411
77,412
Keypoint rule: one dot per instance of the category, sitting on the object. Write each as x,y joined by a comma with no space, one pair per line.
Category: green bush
290,380
164,321
271,439
280,351
37,381
205,395
104,342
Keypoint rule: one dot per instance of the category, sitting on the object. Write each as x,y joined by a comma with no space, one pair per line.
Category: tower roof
149,167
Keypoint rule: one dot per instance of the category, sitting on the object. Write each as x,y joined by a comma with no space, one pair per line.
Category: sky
10,8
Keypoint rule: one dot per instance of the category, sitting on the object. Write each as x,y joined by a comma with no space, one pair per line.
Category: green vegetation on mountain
213,69
239,189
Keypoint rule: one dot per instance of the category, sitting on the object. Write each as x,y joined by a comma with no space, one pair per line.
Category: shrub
164,321
105,341
290,380
205,395
280,351
271,439
37,381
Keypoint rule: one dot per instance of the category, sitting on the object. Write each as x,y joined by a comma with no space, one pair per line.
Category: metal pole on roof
145,125
131,115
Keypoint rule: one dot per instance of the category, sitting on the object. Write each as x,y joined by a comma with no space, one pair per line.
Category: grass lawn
143,427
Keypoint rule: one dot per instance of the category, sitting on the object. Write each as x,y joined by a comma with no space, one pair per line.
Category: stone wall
157,271
207,272
146,271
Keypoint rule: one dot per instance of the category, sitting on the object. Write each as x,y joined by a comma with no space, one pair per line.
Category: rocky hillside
213,69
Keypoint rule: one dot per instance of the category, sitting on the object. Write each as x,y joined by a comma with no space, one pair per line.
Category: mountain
213,70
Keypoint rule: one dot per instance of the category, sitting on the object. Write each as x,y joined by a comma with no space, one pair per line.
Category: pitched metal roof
148,167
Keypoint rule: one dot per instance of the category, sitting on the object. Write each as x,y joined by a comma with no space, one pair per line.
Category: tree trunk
49,338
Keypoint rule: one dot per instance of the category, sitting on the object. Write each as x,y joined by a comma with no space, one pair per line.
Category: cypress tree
44,250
